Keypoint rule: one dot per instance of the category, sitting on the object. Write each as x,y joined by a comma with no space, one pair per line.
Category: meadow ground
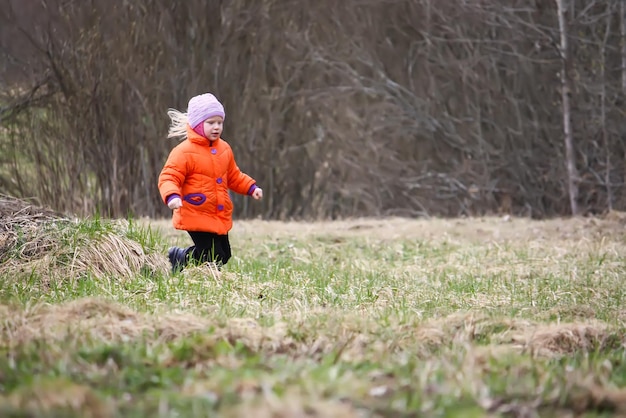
357,318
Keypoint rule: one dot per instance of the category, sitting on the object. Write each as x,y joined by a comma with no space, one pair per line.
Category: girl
195,180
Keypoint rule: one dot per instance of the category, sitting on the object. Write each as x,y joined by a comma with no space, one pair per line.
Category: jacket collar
199,139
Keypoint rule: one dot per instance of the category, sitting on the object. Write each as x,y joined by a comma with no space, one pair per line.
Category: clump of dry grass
20,218
57,396
562,339
592,396
94,319
294,405
115,255
517,335
98,319
35,240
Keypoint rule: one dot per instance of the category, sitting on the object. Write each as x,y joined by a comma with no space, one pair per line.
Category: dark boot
177,258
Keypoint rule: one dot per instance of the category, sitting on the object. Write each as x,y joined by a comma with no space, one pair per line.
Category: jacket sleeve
172,175
237,181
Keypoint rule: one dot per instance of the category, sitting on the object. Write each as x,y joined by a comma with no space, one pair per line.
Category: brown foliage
337,108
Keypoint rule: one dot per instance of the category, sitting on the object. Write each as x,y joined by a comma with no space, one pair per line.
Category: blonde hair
178,125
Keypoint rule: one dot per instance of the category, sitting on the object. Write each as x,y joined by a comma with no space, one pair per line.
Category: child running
195,181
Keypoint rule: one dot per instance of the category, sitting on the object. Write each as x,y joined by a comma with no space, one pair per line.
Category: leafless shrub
337,108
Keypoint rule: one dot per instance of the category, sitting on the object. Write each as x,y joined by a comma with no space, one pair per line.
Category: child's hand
175,203
257,193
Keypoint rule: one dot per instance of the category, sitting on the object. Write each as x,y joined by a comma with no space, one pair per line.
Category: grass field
359,318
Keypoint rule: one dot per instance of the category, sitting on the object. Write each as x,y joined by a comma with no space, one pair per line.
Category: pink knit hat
202,107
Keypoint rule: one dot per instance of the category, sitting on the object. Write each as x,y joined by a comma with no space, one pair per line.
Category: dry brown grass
294,405
92,319
61,396
19,217
463,230
32,241
359,339
115,255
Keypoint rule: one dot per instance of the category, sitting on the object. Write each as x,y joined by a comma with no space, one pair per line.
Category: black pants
209,247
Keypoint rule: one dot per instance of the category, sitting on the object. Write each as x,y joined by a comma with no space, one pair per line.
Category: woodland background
337,108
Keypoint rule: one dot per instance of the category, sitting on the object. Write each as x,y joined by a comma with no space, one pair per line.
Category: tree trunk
566,90
623,42
603,119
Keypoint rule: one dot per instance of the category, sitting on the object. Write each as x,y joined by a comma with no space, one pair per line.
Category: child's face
213,127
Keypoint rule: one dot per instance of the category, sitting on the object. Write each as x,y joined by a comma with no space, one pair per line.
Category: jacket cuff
252,189
172,196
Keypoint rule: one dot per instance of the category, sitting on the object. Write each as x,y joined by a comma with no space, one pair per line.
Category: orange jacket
201,172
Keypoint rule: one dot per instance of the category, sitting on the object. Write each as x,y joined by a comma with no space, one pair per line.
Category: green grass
398,319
